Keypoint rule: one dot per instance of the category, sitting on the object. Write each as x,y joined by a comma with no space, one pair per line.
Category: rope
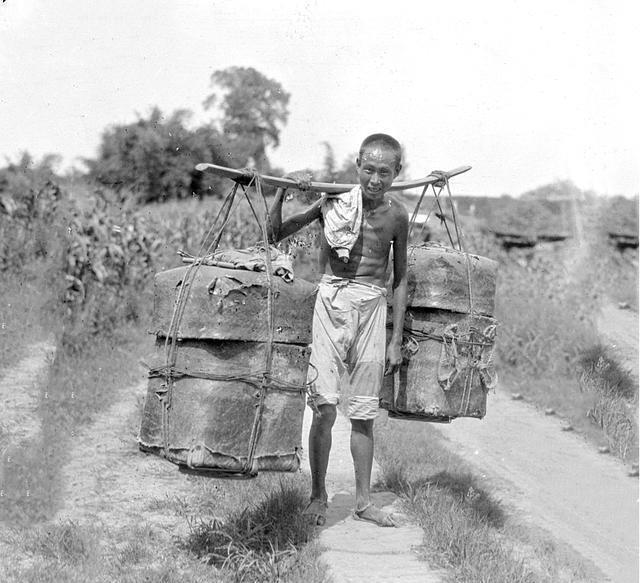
264,380
180,306
251,378
265,383
414,336
415,211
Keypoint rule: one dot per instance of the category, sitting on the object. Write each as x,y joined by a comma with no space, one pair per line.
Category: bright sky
525,92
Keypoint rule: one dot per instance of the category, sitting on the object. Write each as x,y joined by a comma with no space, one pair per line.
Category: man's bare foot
316,511
373,514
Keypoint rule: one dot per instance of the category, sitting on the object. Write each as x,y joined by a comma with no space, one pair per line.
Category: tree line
153,158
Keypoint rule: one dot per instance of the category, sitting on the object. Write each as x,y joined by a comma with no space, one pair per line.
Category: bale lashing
447,279
227,384
447,367
448,337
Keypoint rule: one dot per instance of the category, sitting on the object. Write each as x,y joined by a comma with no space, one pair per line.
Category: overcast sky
525,92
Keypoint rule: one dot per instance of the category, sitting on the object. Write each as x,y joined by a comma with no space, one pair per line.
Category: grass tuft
265,536
465,489
614,396
598,365
64,542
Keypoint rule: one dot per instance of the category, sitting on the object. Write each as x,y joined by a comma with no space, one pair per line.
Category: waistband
340,282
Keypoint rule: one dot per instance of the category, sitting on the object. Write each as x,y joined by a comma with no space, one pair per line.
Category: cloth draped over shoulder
342,220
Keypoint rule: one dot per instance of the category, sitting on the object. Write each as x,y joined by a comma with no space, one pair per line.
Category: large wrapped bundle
447,367
232,304
215,404
448,337
446,279
226,393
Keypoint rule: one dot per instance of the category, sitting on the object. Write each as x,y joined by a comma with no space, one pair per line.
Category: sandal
316,511
373,514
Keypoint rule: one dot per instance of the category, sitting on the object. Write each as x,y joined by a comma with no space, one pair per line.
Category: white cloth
342,220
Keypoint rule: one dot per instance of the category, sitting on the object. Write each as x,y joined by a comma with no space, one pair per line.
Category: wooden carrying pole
244,177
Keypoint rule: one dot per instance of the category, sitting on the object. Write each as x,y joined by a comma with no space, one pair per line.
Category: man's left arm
399,303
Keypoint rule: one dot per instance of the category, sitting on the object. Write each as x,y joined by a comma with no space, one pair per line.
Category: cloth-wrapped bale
448,337
231,304
216,397
226,395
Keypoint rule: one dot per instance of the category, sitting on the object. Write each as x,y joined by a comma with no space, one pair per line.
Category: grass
265,541
466,530
79,385
79,552
614,397
548,344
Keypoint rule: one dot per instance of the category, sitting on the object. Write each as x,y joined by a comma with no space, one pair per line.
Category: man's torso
369,257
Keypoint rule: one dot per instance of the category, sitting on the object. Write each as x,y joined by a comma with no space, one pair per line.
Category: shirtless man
349,323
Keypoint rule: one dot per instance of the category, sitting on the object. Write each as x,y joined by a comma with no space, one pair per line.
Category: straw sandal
316,511
373,514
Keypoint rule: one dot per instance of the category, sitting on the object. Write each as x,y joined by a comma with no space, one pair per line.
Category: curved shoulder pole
328,187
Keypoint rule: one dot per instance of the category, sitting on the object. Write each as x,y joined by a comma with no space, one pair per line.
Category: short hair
384,140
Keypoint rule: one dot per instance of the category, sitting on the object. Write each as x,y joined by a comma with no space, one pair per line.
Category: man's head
379,162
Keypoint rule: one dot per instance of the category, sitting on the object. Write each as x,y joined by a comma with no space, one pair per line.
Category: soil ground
549,477
556,481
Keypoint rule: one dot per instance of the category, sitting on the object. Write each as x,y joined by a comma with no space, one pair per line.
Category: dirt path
555,480
20,394
110,481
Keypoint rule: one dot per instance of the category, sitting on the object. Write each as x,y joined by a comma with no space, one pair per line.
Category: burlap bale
231,304
438,277
446,369
210,421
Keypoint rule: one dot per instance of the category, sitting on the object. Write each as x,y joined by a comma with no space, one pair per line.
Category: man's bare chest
377,235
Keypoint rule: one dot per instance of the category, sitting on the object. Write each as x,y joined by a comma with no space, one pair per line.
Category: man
349,323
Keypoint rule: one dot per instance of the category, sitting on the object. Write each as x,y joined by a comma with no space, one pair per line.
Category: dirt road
109,480
555,480
20,392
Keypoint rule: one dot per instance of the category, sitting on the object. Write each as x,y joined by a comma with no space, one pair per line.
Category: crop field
77,263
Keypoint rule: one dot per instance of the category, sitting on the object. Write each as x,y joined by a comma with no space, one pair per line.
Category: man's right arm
282,229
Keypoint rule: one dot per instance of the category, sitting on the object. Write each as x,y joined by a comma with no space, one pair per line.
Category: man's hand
302,178
394,358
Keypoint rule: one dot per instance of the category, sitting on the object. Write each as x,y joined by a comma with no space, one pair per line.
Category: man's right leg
319,448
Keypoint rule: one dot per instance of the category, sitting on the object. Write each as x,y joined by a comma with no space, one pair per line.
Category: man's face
377,169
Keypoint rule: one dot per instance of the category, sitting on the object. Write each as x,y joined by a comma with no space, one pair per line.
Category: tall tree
156,157
251,112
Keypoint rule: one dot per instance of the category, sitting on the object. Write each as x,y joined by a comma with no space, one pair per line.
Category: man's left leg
362,453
